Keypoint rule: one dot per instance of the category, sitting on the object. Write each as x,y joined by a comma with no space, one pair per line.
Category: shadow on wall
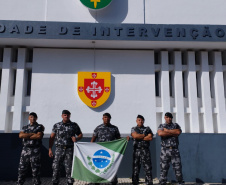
109,14
110,100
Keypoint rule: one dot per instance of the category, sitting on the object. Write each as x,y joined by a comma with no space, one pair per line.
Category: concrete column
206,95
192,94
178,82
165,93
19,92
219,92
5,89
152,106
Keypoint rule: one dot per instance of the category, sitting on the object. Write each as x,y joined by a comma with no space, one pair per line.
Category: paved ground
47,181
122,181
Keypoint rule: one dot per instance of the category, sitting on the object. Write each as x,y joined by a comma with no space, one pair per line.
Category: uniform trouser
142,156
62,156
29,157
170,155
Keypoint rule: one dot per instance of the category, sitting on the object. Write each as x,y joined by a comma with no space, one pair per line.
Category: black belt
65,146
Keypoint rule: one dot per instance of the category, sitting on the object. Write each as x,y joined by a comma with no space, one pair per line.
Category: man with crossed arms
169,133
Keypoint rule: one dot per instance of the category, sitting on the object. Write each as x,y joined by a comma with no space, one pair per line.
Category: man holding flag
106,132
98,162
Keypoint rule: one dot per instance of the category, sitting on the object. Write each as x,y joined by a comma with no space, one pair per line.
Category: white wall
119,11
54,87
185,12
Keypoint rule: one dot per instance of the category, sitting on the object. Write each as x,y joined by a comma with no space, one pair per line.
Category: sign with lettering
96,4
94,88
105,31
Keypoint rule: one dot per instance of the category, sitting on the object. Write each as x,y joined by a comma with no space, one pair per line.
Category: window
171,83
14,55
185,84
14,82
29,75
157,60
30,55
157,83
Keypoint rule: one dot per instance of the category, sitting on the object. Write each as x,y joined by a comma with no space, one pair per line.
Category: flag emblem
97,162
94,88
101,159
96,4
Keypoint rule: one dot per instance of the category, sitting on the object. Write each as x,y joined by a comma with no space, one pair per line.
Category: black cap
66,112
33,114
107,114
168,114
141,117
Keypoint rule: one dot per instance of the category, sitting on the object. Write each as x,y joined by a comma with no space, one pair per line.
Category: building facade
164,56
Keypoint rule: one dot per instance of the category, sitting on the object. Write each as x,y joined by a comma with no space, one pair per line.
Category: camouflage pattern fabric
62,156
169,141
141,130
170,155
142,156
64,149
35,128
106,133
64,132
29,157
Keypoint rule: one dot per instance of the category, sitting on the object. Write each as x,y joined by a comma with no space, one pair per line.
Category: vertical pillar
219,92
206,96
152,93
179,98
5,89
192,93
19,92
165,96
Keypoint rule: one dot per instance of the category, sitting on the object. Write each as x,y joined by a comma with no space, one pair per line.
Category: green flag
97,162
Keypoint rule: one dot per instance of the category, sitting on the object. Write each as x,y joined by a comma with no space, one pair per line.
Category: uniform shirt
106,133
141,130
64,132
170,141
35,128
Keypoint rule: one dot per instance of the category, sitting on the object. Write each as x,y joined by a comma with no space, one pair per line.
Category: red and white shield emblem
94,87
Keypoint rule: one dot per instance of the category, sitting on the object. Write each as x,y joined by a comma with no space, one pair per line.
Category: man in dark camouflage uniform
65,133
31,155
141,154
169,133
106,132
